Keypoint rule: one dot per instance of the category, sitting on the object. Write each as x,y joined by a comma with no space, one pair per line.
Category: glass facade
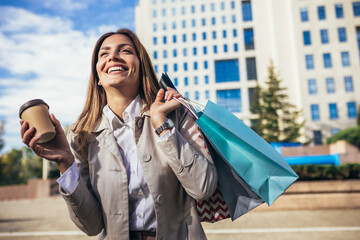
249,38
333,111
321,13
229,99
342,34
315,112
312,86
227,71
251,68
309,61
306,38
351,107
246,10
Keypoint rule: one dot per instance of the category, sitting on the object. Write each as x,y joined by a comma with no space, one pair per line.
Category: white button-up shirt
141,205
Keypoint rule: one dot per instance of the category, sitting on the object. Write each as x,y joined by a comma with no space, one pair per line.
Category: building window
155,55
203,22
222,5
324,36
195,66
193,23
173,11
183,10
175,67
233,18
192,9
249,38
176,82
183,24
356,8
194,37
251,68
223,19
224,33
334,131
232,4
349,87
229,99
227,71
204,50
197,95
154,27
155,40
154,14
204,35
246,11
196,80
225,48
156,68
184,37
312,86
309,61
185,67
351,106
207,94
174,53
164,26
327,60
184,52
163,12
333,111
234,32
186,94
342,34
165,67
215,49
174,38
330,85
164,54
321,13
173,25
236,48
206,64
206,79
214,34
304,14
339,12
164,39
213,20
306,38
345,59
358,37
315,113
317,137
212,6
186,81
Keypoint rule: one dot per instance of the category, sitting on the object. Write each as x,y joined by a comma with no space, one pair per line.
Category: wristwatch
166,125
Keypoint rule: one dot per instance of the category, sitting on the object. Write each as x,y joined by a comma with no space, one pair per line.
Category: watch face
168,121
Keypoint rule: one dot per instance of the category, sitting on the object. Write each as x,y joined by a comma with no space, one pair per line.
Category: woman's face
118,65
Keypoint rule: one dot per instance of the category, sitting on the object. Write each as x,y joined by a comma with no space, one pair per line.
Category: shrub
327,172
350,135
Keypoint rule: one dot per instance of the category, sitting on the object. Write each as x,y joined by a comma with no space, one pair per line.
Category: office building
219,50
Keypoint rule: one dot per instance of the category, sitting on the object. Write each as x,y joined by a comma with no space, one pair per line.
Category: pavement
48,219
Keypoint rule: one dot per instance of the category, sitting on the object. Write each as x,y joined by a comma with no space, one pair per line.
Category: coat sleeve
189,158
84,209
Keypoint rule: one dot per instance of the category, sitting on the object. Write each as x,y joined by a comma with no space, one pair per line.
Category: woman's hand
57,150
159,110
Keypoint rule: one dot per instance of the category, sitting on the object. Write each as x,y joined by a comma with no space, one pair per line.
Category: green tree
2,124
278,119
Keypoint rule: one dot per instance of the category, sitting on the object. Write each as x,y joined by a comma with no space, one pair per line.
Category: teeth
112,69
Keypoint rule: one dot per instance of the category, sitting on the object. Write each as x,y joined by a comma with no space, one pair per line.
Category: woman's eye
103,54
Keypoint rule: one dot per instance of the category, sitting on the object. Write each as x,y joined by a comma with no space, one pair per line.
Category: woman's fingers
159,95
28,135
24,127
57,124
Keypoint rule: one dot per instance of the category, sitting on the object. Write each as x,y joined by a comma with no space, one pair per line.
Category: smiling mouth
116,69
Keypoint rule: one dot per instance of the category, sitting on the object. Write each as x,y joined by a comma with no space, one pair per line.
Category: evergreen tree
278,119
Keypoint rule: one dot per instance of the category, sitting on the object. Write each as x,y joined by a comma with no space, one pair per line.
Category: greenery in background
19,165
278,119
350,135
327,172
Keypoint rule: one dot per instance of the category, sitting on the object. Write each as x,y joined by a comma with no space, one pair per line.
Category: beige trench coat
177,171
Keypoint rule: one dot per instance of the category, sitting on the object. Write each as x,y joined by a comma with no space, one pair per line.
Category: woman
139,159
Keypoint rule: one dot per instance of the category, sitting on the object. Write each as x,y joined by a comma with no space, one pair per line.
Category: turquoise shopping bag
263,169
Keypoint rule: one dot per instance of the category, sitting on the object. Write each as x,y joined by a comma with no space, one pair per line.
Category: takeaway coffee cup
36,113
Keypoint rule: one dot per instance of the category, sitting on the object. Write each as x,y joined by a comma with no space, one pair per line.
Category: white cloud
65,5
55,56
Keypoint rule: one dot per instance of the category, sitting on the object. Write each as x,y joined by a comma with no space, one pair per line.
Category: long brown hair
96,96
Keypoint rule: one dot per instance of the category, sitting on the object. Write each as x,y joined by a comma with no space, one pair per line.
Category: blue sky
45,51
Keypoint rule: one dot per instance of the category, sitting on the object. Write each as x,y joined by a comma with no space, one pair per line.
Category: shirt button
139,215
126,115
127,127
133,172
140,193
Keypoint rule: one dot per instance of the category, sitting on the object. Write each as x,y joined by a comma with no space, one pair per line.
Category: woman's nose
114,56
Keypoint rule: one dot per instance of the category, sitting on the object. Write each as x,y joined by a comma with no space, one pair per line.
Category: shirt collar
130,113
